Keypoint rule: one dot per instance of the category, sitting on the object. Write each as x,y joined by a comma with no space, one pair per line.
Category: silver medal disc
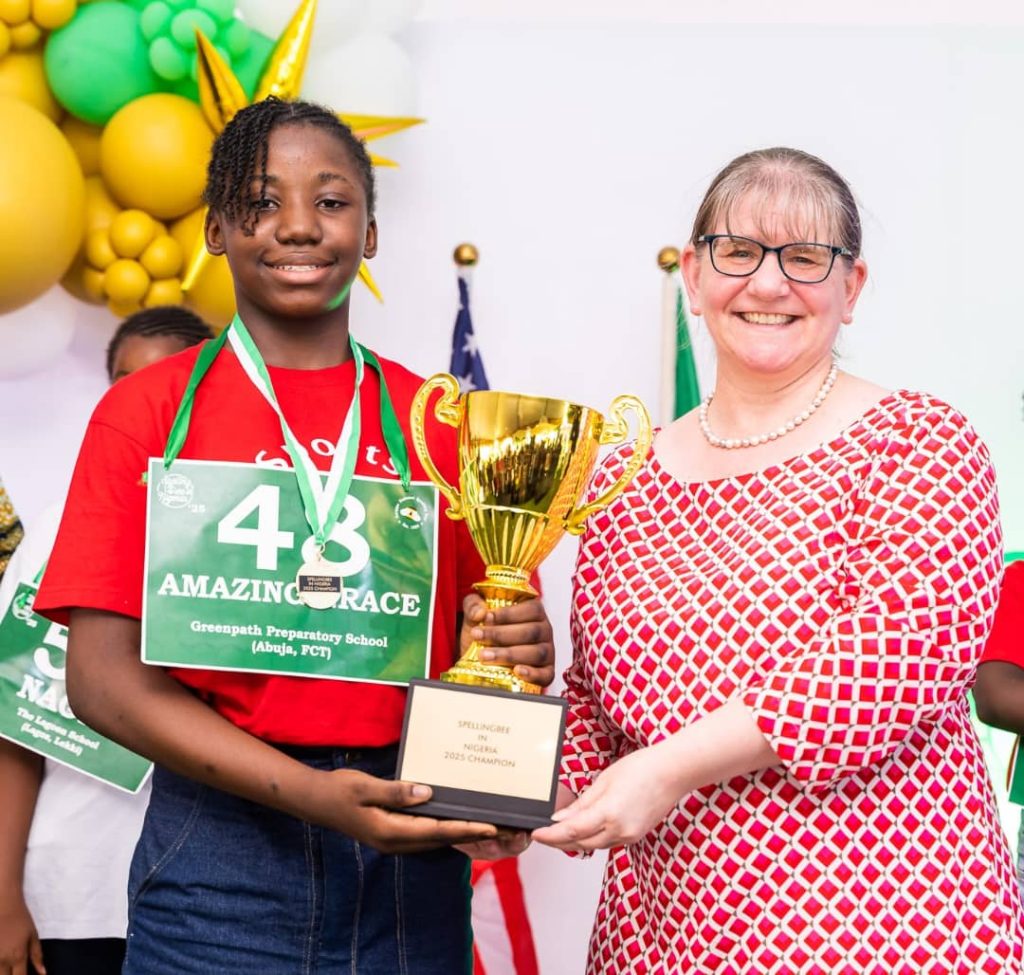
319,584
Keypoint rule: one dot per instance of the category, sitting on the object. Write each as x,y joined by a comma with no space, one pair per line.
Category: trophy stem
504,586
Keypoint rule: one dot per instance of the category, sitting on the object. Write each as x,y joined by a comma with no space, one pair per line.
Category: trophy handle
615,430
448,409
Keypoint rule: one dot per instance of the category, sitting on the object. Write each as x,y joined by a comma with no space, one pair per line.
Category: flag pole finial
668,258
466,255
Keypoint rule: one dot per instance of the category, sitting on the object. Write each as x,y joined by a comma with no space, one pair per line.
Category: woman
774,628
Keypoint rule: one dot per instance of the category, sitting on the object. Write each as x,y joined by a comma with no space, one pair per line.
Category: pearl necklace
787,427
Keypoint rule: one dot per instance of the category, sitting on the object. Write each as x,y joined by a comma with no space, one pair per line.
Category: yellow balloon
51,14
25,35
5,38
122,309
98,250
153,155
212,297
22,76
166,292
163,259
100,206
92,284
131,232
15,11
125,281
100,209
85,140
42,197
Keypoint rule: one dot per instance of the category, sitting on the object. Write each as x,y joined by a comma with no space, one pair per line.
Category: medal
319,584
318,581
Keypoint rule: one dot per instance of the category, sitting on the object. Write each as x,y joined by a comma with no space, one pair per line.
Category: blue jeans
222,885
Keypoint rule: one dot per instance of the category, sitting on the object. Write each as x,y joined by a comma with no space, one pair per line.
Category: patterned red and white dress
844,596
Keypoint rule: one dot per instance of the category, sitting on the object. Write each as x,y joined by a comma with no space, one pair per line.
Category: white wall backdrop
570,142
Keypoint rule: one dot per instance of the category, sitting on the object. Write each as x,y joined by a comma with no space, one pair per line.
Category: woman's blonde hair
809,192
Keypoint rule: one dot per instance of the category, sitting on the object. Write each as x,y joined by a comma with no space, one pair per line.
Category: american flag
502,936
466,366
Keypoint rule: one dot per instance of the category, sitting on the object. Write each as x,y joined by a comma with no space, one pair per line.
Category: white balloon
336,20
388,16
34,336
269,17
369,75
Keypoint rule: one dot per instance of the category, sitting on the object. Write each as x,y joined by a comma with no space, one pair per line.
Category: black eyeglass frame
833,249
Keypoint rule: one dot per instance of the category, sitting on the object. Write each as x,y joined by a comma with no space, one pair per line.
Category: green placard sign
34,711
224,544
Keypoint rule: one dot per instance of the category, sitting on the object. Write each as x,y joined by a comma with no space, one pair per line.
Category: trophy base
490,756
475,673
501,818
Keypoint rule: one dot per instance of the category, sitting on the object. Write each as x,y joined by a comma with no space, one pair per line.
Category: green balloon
99,61
222,10
186,87
250,65
168,60
155,19
235,37
184,25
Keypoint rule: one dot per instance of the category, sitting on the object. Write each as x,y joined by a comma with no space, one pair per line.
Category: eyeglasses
739,257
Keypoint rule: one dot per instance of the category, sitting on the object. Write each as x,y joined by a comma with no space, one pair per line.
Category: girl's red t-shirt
1006,641
97,561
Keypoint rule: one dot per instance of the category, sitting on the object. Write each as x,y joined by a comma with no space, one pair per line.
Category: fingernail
487,655
421,791
476,633
521,672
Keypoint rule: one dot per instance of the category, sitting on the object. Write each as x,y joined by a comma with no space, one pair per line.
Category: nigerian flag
680,388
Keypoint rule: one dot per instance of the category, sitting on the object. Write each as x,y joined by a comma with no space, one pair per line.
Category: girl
271,843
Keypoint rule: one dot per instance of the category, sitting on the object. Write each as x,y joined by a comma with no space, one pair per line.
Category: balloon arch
109,109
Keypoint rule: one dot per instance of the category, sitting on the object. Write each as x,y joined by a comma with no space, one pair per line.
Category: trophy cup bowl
524,464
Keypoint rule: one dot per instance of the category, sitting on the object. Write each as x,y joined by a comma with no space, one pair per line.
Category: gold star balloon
221,96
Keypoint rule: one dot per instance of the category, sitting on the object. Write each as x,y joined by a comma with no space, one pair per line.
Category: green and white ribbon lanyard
318,581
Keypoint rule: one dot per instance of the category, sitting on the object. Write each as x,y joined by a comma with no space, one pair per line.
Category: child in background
999,689
270,843
65,838
10,530
151,335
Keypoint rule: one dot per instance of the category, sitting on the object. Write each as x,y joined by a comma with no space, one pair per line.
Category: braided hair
239,155
164,321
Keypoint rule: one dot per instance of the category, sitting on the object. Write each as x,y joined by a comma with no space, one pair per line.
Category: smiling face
312,233
766,324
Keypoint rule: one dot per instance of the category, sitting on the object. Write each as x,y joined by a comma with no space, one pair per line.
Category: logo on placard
175,491
21,607
411,512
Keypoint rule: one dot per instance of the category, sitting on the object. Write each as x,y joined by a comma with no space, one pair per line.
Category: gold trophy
486,741
524,463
